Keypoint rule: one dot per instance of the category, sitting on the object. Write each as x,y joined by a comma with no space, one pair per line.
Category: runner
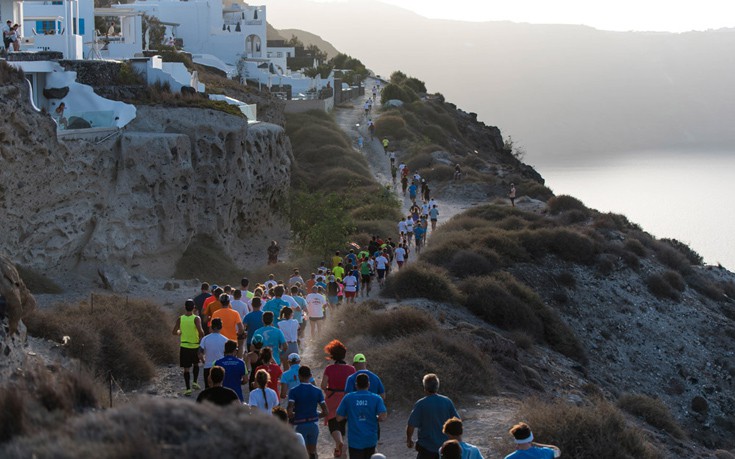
351,284
362,410
371,129
393,172
272,337
360,142
271,282
412,191
276,304
231,320
189,329
404,184
212,348
300,310
253,321
332,292
429,415
199,305
527,448
409,229
217,394
512,195
211,305
419,232
269,365
290,329
434,216
400,256
381,263
302,409
235,372
333,385
295,278
315,304
255,359
360,364
365,277
263,397
457,172
385,146
290,378
453,430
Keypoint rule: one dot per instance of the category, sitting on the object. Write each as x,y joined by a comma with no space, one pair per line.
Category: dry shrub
376,227
465,263
598,430
205,258
672,258
574,216
493,212
512,223
567,279
565,203
605,264
36,282
651,410
438,174
119,336
42,398
675,280
362,319
420,280
505,302
660,288
534,190
391,126
706,287
634,246
567,244
693,257
157,428
613,221
420,162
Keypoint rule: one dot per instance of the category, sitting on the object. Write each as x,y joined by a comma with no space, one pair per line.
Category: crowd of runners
249,344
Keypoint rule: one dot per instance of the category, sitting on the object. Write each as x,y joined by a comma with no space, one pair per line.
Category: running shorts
350,294
366,278
381,273
188,357
335,425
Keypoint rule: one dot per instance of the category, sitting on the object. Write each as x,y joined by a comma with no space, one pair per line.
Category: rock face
16,301
171,174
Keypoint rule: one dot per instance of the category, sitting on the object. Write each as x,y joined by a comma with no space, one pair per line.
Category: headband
525,440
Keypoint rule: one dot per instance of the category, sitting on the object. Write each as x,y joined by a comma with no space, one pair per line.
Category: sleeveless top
189,334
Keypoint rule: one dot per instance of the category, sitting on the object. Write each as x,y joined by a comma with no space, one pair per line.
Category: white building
209,27
62,17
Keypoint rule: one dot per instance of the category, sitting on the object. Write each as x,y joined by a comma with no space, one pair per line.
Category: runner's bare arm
177,325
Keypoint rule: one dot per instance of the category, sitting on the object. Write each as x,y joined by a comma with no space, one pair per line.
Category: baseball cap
294,358
359,358
256,339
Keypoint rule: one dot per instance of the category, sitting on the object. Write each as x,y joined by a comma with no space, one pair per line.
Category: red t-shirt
336,375
275,372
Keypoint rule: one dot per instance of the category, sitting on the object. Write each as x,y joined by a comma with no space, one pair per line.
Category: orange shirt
207,301
230,319
211,308
309,284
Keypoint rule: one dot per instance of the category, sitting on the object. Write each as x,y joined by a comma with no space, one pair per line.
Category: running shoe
195,386
187,392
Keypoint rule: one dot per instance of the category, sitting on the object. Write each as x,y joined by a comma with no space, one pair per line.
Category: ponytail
262,378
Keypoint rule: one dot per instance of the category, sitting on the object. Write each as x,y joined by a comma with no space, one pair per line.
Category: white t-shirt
401,167
290,329
315,304
402,226
382,262
214,348
257,400
241,307
269,284
291,302
409,226
400,254
350,283
425,209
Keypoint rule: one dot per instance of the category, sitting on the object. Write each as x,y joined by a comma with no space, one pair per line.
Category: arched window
253,46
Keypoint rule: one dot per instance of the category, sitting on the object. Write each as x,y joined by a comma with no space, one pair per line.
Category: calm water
685,196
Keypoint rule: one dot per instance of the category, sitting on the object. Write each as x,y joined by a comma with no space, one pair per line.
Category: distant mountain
562,91
308,38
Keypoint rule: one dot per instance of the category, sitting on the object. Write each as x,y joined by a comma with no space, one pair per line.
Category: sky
619,15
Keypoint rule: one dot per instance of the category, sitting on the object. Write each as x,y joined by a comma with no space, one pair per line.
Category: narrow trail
487,418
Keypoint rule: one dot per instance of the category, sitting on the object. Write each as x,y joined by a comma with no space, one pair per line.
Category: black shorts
335,425
366,278
381,273
188,357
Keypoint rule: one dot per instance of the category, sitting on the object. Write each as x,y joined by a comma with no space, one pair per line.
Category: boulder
55,93
114,278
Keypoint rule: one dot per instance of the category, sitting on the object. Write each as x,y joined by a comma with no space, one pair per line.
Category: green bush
420,280
390,126
693,257
395,92
651,410
565,203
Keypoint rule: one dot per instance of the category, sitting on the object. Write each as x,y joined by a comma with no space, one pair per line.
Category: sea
684,195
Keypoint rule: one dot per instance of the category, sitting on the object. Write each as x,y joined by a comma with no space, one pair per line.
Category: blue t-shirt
470,451
291,377
254,322
275,306
234,371
376,385
429,415
361,409
306,398
533,452
298,313
272,338
412,190
419,232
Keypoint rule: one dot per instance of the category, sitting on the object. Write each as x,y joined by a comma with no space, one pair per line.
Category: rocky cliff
140,196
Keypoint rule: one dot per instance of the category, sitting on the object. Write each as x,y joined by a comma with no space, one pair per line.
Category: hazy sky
622,15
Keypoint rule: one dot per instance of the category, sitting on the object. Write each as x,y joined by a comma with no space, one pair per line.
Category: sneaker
187,392
195,386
